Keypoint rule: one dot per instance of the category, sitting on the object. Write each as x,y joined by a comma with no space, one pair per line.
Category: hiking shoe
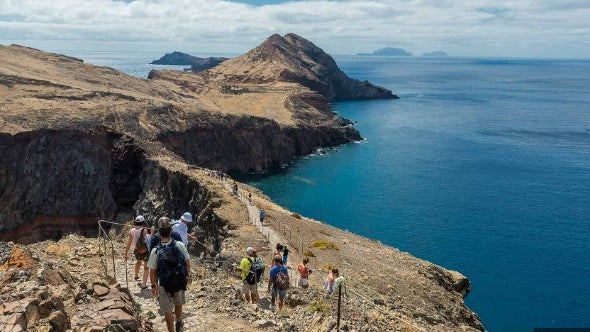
271,307
179,326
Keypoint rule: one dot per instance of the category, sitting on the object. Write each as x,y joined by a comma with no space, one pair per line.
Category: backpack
256,271
171,268
141,251
282,281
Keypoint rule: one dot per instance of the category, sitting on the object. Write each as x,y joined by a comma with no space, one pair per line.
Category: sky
492,28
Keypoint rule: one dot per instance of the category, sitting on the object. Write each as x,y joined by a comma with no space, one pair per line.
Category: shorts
247,288
168,302
303,282
281,293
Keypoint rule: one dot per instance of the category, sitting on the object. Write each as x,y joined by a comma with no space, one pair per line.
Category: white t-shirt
135,233
181,228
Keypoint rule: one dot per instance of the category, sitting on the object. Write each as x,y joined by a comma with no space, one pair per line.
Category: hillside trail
201,311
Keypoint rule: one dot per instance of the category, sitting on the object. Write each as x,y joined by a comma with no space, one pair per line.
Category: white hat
187,217
139,219
250,250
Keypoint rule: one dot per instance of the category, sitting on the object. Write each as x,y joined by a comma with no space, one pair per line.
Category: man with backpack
251,274
169,275
181,227
155,239
278,283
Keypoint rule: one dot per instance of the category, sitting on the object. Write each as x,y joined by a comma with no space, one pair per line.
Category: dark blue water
482,166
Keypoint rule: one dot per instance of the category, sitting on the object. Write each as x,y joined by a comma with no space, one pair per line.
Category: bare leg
169,321
145,273
178,312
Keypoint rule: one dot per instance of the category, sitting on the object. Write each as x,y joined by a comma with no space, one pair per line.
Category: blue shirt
274,272
155,240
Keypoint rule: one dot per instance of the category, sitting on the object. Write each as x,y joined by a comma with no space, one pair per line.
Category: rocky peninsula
82,142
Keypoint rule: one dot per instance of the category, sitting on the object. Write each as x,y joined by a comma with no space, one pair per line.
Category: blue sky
511,28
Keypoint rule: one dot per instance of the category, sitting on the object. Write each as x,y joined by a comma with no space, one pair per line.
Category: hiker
278,253
155,239
329,284
169,275
250,198
262,215
276,283
304,273
139,238
235,188
249,288
285,255
181,226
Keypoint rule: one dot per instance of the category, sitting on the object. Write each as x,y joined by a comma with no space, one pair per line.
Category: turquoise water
482,166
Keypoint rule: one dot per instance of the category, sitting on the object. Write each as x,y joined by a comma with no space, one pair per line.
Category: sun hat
139,219
187,217
250,250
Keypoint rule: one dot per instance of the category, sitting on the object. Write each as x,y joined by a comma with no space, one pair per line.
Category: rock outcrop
294,59
183,59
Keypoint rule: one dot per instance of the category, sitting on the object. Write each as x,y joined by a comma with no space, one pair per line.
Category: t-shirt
245,266
274,272
153,260
155,240
182,229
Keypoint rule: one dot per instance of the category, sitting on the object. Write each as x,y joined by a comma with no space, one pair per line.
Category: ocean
482,166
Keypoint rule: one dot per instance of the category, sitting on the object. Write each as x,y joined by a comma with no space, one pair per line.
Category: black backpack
256,271
172,271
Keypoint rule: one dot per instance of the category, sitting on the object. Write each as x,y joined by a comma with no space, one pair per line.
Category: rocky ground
70,284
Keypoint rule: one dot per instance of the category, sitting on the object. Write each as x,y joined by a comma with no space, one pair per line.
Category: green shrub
323,245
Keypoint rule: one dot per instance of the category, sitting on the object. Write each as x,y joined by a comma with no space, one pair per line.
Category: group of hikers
165,260
166,263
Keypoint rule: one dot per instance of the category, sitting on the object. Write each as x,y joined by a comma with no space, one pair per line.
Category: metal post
339,298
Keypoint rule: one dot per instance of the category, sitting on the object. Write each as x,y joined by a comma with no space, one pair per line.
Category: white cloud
477,27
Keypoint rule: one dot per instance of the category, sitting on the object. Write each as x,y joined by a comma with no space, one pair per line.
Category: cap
139,219
187,217
250,250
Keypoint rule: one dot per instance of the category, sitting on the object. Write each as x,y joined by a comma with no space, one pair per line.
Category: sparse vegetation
296,215
323,245
329,267
308,253
319,306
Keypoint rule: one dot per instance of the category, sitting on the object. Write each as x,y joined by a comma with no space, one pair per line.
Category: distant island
183,59
389,51
435,53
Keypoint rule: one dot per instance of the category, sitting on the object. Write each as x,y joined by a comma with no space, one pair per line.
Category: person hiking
249,287
285,255
139,238
181,227
329,283
276,286
155,239
304,273
278,253
262,215
169,275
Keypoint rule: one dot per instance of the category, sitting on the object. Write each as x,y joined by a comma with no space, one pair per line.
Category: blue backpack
256,271
172,271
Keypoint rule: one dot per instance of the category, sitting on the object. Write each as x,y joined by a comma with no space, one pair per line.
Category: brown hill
294,59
